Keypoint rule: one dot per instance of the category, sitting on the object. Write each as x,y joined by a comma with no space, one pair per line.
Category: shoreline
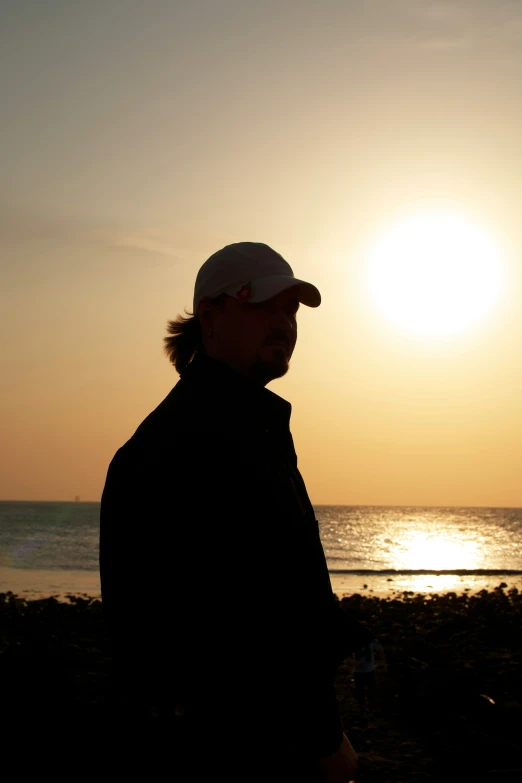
430,584
32,584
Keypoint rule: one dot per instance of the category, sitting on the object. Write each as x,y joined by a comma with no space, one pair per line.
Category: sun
435,274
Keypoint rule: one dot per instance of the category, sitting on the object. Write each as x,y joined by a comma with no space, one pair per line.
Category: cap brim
266,287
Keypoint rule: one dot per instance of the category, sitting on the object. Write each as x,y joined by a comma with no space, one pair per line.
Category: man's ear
203,314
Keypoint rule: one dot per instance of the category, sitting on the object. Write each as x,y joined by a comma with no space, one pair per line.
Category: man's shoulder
177,412
189,416
159,429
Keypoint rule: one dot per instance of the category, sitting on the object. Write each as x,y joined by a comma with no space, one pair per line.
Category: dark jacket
214,582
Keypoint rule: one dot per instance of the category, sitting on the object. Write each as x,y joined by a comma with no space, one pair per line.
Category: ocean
51,548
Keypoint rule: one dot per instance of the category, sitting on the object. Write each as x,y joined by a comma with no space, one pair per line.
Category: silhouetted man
215,587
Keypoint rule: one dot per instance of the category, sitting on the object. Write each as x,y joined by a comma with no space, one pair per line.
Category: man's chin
268,370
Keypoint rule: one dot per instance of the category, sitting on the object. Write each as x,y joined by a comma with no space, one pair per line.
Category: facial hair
263,371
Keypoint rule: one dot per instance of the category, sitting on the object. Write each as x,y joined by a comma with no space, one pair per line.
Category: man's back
214,580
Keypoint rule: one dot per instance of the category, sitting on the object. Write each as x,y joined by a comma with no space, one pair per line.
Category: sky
138,137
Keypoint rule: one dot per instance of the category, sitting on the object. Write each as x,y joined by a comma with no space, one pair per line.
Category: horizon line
314,505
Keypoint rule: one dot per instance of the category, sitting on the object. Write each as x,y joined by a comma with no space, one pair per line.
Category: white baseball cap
250,272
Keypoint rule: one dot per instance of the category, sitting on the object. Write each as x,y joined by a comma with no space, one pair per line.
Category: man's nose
283,320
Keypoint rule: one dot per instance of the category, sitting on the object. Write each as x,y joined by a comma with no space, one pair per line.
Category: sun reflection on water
435,551
431,583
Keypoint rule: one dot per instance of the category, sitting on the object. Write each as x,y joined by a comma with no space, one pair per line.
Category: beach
449,706
390,586
35,584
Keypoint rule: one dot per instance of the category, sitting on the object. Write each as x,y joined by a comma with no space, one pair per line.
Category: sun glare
437,552
435,274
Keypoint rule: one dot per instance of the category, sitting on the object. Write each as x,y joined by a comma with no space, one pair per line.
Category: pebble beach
449,705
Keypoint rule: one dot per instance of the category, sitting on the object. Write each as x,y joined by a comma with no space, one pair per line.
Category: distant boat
77,499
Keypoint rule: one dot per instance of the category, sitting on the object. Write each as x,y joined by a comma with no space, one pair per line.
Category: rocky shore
449,706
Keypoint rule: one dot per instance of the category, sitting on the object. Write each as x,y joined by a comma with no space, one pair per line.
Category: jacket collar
225,392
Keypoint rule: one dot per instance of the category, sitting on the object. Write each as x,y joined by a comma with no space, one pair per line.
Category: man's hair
186,338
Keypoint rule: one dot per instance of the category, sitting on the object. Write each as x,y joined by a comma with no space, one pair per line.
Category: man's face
257,339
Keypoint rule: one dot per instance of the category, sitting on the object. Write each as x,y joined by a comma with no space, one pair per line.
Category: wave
418,571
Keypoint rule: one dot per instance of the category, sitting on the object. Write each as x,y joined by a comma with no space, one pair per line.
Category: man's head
253,327
245,299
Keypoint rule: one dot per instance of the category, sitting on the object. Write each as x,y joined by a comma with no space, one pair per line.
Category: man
225,630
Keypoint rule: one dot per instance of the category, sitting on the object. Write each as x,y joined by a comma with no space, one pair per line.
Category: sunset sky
140,136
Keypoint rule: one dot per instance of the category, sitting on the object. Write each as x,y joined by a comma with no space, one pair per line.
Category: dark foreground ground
449,706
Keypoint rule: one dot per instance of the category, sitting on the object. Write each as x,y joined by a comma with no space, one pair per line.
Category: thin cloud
446,43
19,227
143,242
453,25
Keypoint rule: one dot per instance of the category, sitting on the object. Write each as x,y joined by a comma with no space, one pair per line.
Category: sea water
51,548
